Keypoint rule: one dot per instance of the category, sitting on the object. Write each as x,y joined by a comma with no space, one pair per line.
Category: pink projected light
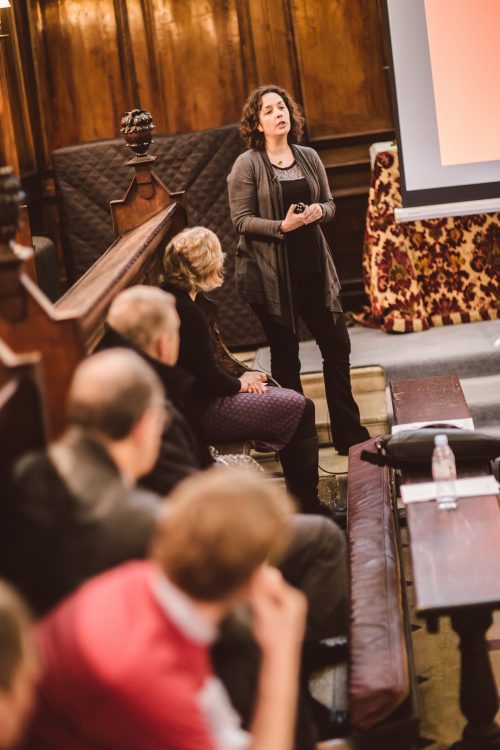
464,48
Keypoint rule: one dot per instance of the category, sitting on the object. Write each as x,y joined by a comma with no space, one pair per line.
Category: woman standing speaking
279,197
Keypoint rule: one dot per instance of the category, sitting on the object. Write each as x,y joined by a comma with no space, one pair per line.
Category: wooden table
456,561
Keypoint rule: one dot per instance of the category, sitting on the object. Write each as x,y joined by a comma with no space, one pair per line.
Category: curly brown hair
252,137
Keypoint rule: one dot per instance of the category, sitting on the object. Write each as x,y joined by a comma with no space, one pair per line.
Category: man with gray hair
145,319
75,510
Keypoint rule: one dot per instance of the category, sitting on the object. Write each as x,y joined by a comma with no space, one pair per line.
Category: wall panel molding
340,60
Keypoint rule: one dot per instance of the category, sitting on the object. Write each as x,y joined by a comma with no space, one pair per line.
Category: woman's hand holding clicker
292,220
314,212
253,382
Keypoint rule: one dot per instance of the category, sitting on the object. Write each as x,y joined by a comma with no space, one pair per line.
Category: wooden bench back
22,414
66,332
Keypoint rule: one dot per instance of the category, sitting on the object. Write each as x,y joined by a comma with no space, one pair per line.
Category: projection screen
445,71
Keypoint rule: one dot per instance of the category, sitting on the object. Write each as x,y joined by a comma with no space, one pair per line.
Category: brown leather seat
379,675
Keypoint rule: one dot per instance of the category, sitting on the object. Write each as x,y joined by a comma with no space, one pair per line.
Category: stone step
363,380
464,350
368,386
483,397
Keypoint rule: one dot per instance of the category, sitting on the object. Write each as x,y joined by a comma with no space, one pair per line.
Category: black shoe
342,451
299,460
339,515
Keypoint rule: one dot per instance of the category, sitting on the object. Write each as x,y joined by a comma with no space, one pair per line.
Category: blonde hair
193,260
220,526
142,313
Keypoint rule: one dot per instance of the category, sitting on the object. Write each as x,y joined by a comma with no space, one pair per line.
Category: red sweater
118,674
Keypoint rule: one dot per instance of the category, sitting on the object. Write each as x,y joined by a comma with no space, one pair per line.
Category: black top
184,447
302,249
61,526
196,354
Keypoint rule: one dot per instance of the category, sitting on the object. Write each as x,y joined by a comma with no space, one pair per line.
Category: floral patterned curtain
426,273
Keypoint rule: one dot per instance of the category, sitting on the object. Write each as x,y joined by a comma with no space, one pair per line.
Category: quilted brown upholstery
379,678
88,176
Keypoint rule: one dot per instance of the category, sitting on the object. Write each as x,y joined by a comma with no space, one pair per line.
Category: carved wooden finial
146,194
11,196
137,127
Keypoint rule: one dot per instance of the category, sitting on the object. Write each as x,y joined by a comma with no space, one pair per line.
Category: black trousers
330,332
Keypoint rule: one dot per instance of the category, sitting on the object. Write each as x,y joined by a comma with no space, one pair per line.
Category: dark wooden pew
22,414
66,332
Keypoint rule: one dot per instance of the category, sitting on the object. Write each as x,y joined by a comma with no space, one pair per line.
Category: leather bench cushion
89,175
379,677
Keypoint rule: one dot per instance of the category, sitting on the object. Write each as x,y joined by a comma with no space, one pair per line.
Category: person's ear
166,345
260,128
158,347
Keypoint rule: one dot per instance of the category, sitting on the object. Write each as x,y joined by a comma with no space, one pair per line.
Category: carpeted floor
466,350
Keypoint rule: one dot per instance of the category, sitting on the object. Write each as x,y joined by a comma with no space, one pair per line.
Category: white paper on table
466,424
468,487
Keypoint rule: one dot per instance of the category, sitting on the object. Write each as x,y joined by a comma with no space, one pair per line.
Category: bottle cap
441,440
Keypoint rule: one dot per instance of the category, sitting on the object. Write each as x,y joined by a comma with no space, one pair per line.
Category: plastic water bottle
444,473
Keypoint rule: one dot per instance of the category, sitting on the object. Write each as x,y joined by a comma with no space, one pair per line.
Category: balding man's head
146,316
111,391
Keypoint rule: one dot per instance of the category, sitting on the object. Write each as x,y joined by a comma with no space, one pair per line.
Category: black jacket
196,353
184,448
70,515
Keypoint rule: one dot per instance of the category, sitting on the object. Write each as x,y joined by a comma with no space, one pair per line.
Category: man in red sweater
127,660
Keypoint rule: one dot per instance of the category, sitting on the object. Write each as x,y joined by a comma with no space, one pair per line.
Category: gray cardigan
256,204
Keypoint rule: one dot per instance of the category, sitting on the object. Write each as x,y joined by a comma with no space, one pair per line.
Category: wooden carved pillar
146,194
478,690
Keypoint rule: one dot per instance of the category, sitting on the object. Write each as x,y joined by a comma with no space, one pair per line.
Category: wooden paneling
82,84
193,61
16,137
74,66
8,143
339,49
267,45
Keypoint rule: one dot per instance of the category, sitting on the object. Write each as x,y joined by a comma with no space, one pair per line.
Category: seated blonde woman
237,408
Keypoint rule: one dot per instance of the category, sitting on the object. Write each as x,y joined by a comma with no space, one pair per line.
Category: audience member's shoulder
101,608
34,473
